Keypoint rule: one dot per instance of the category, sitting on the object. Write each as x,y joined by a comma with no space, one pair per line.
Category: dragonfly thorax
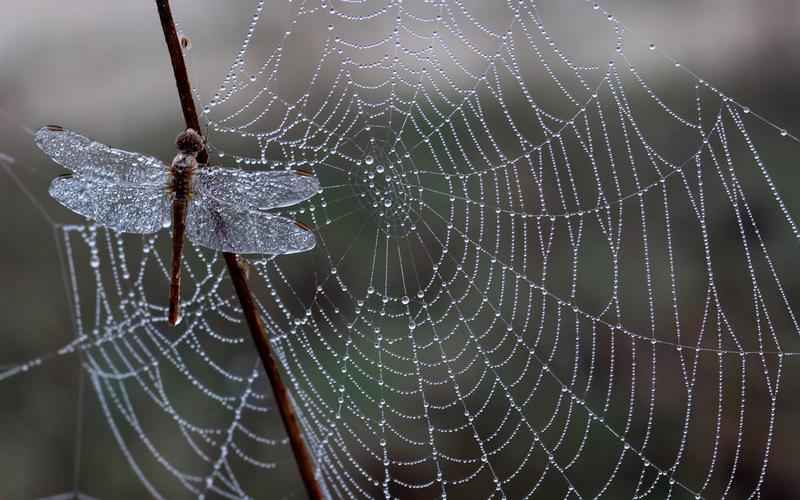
189,144
181,172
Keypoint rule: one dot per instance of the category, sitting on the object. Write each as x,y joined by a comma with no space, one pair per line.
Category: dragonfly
219,208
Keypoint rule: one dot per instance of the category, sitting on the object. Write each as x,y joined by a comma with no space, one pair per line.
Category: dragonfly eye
189,142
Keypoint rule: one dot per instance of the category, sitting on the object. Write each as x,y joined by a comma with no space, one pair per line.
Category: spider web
538,273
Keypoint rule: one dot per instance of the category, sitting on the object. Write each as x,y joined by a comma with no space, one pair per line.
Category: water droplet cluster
388,186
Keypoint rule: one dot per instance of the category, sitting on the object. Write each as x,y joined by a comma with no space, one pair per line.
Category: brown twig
257,330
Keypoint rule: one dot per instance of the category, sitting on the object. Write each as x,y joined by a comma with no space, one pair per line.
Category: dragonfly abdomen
180,185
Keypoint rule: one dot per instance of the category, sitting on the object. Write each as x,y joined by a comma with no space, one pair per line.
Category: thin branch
180,71
254,323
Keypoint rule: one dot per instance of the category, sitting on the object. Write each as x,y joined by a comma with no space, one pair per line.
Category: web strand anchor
257,330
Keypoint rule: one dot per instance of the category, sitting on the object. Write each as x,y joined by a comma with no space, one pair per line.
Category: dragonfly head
189,142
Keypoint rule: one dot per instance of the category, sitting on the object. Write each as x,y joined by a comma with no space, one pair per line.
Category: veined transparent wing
124,208
221,226
93,160
256,190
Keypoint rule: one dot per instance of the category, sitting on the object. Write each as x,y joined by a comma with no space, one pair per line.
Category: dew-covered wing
258,190
93,160
223,227
128,209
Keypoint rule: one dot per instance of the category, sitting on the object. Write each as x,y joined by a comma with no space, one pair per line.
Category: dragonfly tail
175,300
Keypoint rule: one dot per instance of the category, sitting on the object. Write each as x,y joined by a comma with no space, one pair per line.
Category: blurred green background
102,68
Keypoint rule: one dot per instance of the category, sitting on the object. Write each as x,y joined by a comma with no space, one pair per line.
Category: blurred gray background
101,67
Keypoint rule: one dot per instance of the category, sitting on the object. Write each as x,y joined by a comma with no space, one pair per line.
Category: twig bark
254,323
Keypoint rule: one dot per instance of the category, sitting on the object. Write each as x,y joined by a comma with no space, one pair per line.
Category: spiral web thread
537,275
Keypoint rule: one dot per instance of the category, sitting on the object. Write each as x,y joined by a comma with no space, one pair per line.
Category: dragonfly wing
126,209
220,226
93,160
256,190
